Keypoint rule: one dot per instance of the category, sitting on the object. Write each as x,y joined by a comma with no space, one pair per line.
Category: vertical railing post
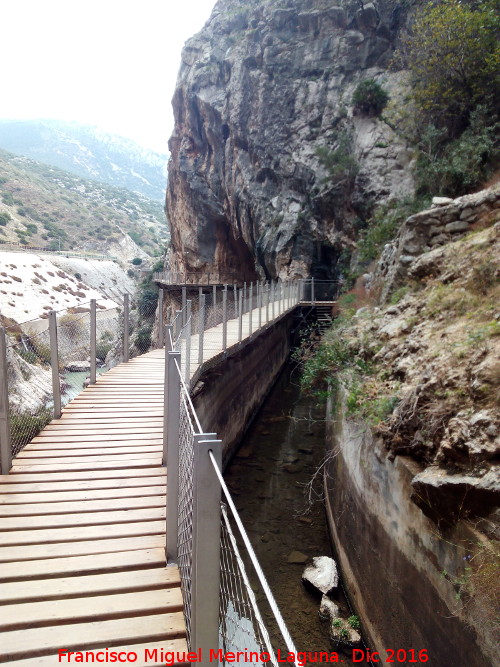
54,363
259,302
240,316
5,442
244,296
178,324
93,341
171,426
250,309
313,300
161,328
273,297
201,328
224,318
214,296
169,332
267,303
126,317
184,299
206,546
188,343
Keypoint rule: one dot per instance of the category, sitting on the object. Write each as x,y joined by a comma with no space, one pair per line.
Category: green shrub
354,622
4,218
370,98
147,301
143,338
78,276
8,199
137,261
102,349
25,426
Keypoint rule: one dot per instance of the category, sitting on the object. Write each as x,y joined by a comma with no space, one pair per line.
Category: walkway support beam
5,443
161,328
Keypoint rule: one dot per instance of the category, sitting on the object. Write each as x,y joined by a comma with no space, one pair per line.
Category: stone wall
400,570
447,220
229,390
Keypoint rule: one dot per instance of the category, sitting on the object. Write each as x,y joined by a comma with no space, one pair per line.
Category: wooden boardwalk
82,528
82,521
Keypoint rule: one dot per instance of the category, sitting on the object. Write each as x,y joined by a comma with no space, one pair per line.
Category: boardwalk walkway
82,522
82,528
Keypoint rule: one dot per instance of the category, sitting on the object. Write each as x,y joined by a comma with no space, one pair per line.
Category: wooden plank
93,495
88,585
54,450
175,646
42,446
52,459
95,436
91,468
95,563
98,430
68,422
79,548
72,610
35,523
79,533
37,507
43,641
49,486
113,412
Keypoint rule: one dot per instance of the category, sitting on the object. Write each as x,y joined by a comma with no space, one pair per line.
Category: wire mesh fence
29,384
241,627
185,506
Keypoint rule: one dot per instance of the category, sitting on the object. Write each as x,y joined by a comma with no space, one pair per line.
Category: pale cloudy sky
111,63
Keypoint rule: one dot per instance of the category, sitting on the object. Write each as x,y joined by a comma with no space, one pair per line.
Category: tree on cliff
453,54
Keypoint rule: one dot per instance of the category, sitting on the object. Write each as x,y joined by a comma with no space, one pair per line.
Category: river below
268,477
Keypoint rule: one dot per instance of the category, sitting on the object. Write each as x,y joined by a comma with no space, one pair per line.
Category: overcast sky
111,63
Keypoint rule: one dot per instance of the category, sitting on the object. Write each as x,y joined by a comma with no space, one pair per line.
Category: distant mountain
47,207
88,152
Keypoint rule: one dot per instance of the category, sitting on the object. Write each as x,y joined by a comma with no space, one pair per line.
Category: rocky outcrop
447,220
270,165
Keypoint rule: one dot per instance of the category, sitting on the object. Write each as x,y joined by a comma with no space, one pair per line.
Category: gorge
277,173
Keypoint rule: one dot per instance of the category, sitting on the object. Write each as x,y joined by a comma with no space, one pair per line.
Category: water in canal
268,478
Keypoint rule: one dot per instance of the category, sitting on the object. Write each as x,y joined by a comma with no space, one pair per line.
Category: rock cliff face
271,167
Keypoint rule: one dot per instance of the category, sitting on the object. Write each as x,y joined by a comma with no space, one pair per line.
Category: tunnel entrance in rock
324,265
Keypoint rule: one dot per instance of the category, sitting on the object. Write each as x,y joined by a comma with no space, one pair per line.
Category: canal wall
402,571
228,390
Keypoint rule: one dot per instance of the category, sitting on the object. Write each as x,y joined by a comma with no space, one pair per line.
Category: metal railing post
214,295
273,297
201,328
178,323
171,426
240,316
126,314
184,297
54,363
188,343
93,341
206,547
259,303
312,291
267,303
250,309
244,296
169,330
161,329
5,442
224,318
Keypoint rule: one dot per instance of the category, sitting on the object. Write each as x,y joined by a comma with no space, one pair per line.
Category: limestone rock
328,609
441,201
322,574
446,496
78,366
297,557
262,99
